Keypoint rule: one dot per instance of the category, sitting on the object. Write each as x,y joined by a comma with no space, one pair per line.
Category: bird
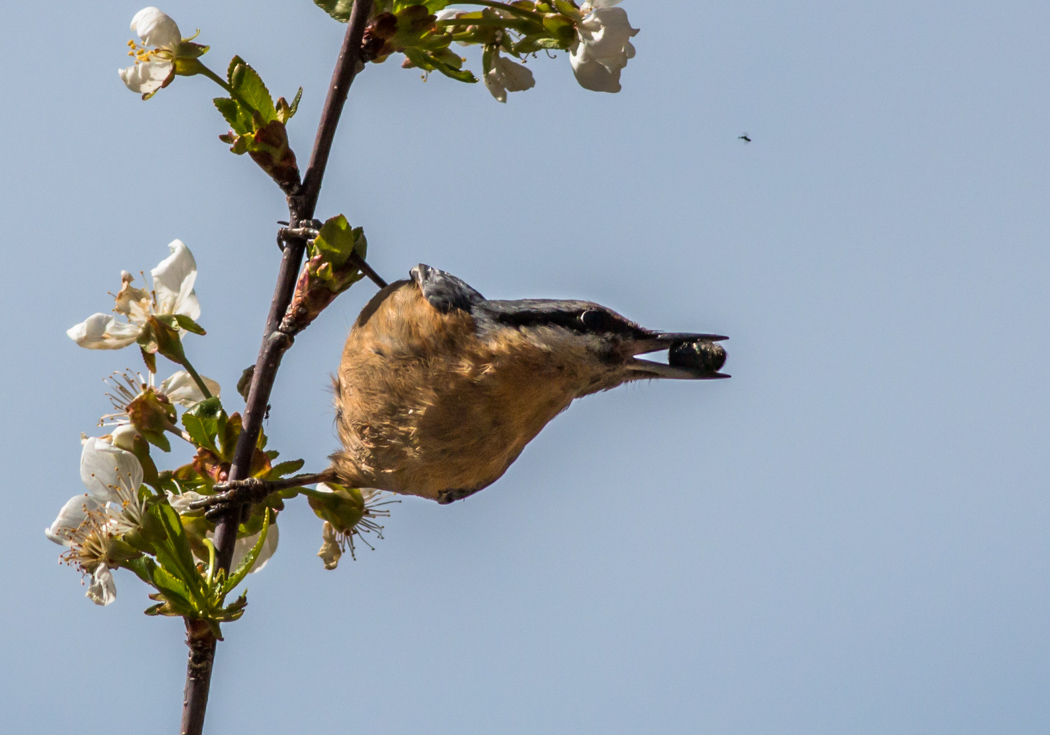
440,389
745,137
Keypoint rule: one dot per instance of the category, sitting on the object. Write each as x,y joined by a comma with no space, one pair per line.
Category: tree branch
300,207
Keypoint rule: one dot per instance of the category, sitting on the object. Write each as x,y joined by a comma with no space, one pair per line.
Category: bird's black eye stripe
566,319
596,320
582,317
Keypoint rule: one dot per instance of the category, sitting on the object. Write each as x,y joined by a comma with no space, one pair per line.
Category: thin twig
301,207
367,270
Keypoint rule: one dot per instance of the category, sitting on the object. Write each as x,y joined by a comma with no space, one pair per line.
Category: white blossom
88,523
173,293
347,513
154,66
331,549
102,590
602,46
181,388
507,76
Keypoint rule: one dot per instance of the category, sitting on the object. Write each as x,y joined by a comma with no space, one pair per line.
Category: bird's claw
308,230
232,495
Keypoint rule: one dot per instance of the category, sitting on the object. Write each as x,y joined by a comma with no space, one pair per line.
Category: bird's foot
232,495
307,230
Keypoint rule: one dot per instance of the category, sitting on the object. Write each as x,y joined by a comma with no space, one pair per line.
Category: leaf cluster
257,123
333,263
519,29
184,587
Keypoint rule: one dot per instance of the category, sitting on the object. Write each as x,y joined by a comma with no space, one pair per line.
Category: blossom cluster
137,517
596,34
115,522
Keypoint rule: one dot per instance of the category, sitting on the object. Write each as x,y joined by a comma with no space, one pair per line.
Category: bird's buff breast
424,406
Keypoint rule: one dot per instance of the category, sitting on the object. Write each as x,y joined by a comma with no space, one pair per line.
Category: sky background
851,535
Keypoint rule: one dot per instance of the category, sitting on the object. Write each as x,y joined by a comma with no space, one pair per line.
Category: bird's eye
595,320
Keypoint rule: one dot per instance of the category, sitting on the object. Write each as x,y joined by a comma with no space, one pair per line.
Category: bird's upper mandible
440,389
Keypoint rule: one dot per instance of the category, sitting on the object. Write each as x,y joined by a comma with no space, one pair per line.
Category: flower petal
156,28
246,544
517,77
173,282
102,590
492,84
507,76
602,48
104,469
181,502
595,77
330,550
606,32
104,332
148,76
182,389
123,437
73,513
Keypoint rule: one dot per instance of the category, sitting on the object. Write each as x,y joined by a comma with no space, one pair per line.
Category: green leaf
336,240
432,6
188,324
156,438
174,555
228,434
204,422
250,90
427,61
460,75
175,593
235,609
186,478
286,112
567,8
239,119
338,9
143,567
560,27
150,359
285,468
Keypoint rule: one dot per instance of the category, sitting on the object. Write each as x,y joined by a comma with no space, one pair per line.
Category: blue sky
848,536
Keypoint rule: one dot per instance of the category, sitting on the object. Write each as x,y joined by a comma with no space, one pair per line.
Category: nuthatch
440,389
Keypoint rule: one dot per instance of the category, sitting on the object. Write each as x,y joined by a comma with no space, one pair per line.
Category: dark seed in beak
700,355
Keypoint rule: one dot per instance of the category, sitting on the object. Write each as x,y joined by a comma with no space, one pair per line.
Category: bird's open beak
697,357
